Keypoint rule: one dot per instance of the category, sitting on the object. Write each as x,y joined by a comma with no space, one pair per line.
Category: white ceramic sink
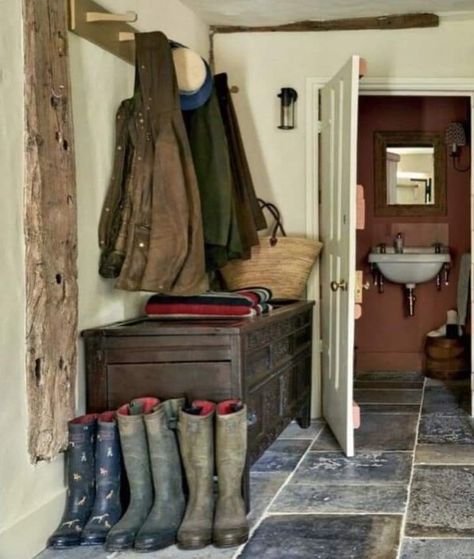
414,265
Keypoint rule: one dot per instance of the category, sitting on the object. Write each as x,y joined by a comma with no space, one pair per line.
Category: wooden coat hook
129,17
91,21
125,36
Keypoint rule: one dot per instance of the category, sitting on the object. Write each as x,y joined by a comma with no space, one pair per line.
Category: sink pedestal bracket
411,298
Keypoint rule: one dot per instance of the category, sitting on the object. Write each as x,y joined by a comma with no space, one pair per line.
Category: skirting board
27,537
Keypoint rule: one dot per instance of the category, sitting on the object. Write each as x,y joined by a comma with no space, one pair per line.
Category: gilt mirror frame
386,139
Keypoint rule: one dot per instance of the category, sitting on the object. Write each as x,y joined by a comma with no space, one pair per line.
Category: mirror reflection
410,175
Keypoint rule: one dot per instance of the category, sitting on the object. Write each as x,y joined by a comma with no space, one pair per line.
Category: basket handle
277,216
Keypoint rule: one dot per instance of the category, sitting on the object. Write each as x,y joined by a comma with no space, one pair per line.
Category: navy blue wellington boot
81,486
107,508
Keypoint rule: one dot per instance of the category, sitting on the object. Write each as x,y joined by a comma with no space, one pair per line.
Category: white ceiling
274,12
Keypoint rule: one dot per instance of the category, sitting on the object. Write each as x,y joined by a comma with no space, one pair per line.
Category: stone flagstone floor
407,494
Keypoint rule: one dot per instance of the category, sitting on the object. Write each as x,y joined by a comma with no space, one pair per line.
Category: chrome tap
398,243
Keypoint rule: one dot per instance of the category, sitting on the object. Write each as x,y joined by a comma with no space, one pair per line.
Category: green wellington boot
137,466
230,521
161,526
196,441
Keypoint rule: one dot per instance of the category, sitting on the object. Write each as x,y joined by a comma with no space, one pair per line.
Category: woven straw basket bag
283,264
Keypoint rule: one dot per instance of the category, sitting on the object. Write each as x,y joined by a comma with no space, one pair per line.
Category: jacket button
141,245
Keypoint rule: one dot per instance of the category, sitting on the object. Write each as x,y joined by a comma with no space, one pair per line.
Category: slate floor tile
387,432
401,409
321,499
442,429
367,467
282,456
437,549
263,488
446,401
387,396
377,432
325,537
325,441
444,454
294,431
441,502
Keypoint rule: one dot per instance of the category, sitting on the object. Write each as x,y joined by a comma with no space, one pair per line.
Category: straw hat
193,75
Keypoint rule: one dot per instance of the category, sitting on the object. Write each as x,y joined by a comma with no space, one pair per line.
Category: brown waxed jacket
150,231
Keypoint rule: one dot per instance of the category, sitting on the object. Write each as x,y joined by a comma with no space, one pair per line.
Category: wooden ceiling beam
403,21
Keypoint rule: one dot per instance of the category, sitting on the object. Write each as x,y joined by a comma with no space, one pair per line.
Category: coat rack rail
92,22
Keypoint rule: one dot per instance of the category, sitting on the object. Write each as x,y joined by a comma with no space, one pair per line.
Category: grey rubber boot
137,466
161,526
196,441
230,521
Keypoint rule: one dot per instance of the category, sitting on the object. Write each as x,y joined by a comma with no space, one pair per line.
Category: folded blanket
242,303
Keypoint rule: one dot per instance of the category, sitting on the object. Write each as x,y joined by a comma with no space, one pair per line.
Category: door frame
434,87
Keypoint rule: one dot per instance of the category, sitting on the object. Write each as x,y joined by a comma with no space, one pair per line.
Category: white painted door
338,168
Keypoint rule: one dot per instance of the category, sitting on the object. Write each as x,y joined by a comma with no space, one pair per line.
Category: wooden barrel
447,358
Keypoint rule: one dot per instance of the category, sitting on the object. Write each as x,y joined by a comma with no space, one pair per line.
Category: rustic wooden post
50,229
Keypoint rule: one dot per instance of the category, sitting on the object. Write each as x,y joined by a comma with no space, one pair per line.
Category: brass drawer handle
342,285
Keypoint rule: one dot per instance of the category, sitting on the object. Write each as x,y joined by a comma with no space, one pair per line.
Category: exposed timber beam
404,21
50,229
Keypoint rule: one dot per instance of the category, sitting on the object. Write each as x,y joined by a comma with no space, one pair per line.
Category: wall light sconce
288,97
455,139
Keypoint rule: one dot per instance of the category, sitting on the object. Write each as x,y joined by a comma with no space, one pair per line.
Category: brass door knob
342,285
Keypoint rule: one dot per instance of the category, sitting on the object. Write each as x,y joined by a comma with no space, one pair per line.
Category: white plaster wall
261,63
32,497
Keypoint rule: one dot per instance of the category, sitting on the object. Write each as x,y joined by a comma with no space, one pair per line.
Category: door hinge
320,346
319,126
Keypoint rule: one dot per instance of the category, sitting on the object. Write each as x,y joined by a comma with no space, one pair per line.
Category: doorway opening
391,333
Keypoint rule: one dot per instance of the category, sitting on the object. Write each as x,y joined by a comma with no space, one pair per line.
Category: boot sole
230,541
161,545
118,547
193,544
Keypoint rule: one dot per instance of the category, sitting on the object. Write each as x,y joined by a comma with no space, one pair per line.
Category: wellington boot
196,440
161,526
107,508
230,521
81,486
137,466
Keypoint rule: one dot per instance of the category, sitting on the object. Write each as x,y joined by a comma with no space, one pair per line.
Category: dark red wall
385,337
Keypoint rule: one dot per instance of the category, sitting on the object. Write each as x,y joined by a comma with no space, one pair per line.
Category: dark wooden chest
265,361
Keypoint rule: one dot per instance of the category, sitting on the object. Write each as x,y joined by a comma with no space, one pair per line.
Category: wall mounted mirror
410,174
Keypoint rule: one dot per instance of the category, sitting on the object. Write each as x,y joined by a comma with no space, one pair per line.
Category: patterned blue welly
81,486
107,508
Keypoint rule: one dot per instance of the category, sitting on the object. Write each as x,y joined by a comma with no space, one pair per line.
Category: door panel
338,170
